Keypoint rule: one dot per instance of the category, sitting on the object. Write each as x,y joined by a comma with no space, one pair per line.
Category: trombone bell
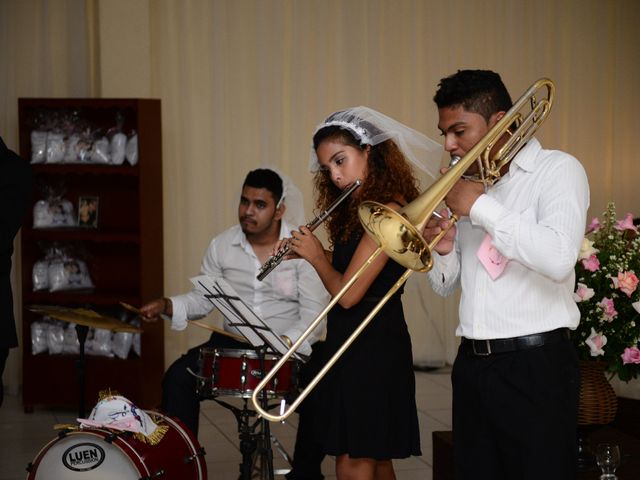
396,235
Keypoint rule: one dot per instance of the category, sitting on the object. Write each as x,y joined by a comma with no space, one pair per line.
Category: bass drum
101,454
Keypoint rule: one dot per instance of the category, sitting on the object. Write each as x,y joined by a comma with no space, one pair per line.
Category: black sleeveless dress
367,405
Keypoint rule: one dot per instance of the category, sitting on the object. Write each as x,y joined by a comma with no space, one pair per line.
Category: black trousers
180,399
515,414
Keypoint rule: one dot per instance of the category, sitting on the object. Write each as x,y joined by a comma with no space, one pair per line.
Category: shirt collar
526,157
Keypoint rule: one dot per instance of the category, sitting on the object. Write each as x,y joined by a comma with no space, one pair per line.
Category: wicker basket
598,402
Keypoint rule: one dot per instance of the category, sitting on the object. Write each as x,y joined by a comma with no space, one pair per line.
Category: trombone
399,233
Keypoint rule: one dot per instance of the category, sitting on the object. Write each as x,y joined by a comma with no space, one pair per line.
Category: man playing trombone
288,300
515,378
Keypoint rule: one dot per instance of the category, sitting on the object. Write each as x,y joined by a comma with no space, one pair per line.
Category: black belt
504,345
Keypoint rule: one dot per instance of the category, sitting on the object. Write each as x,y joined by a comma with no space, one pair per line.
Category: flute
275,260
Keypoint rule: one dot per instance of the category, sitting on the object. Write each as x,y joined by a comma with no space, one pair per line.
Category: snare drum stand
264,454
248,441
255,438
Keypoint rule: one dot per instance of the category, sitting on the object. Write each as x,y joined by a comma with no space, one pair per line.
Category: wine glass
608,459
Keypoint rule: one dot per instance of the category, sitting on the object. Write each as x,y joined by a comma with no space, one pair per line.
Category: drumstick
194,322
218,330
131,308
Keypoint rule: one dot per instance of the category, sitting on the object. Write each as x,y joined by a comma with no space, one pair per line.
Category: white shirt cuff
179,318
486,212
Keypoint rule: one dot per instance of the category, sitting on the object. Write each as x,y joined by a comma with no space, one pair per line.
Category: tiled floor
22,435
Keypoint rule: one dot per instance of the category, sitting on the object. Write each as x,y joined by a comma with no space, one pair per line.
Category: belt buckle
482,354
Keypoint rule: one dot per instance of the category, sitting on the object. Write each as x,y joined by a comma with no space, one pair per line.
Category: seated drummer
288,300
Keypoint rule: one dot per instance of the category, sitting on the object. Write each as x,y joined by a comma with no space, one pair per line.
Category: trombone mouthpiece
455,159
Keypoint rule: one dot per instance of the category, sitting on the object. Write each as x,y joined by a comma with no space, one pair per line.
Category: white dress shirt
288,299
536,217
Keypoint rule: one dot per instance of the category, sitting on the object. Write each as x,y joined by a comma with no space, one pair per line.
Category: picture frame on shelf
88,211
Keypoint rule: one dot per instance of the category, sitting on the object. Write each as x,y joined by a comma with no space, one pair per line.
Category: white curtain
243,83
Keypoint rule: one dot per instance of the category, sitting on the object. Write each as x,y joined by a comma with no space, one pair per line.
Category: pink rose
592,263
594,226
626,224
627,282
583,293
608,309
631,355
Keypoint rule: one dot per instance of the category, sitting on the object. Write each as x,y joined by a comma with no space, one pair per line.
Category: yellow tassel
155,438
65,426
102,394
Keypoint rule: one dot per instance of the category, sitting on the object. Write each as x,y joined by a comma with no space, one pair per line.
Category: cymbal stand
81,331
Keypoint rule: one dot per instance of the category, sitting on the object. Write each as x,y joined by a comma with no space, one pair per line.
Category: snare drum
102,454
237,373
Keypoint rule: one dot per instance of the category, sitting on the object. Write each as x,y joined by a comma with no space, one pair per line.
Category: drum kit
104,453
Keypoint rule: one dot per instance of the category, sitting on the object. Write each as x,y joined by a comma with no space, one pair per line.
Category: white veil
371,128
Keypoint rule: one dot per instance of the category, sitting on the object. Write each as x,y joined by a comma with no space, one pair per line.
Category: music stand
240,316
264,339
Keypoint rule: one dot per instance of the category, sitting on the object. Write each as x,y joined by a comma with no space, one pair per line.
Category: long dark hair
389,179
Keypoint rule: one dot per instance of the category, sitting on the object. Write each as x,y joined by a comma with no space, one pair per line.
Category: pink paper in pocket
492,260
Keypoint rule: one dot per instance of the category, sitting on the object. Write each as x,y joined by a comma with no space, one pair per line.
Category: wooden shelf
85,169
80,297
80,234
124,254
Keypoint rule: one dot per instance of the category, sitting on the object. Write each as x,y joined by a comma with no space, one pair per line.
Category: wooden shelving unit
125,252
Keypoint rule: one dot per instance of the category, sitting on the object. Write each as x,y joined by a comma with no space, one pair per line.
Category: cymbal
221,331
84,316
